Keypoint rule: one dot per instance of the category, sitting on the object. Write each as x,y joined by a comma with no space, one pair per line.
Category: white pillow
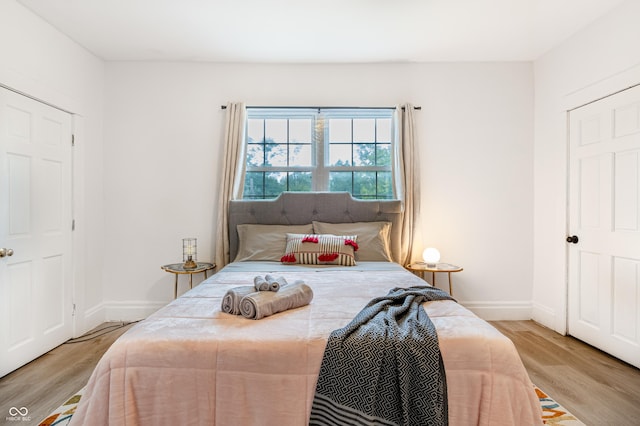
374,238
265,242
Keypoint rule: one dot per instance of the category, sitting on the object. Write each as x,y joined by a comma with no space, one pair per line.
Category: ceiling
327,31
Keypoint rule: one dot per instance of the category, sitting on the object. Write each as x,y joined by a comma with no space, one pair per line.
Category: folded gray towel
260,284
264,303
275,284
232,298
268,283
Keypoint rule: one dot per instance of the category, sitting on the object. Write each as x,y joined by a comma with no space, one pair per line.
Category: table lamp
431,257
189,252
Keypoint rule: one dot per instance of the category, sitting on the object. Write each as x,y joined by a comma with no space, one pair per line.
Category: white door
604,214
35,228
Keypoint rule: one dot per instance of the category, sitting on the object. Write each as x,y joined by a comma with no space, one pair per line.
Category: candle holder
189,253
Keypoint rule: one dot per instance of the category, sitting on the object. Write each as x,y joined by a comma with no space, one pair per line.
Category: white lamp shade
431,256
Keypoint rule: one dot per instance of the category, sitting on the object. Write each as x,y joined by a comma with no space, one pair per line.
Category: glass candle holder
189,252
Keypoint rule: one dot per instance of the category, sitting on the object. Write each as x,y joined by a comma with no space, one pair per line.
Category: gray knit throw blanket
385,367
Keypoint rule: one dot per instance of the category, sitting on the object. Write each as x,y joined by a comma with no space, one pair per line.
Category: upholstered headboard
298,208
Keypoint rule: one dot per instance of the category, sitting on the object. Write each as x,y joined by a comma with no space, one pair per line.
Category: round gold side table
178,269
421,268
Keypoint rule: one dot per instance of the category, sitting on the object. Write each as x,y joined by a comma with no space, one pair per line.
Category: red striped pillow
321,249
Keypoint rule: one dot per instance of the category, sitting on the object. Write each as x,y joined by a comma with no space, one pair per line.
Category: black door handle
573,239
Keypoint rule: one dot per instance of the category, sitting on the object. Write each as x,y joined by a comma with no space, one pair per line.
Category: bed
191,363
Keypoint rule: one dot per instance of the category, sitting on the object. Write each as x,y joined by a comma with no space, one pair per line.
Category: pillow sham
374,238
314,249
265,242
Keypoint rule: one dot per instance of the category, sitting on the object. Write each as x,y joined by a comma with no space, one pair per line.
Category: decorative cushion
325,249
374,238
265,242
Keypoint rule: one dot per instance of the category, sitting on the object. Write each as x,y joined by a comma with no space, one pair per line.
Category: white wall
38,60
163,142
598,61
150,176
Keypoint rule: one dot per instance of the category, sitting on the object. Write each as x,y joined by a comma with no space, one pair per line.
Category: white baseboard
547,317
119,311
113,311
130,310
92,318
500,311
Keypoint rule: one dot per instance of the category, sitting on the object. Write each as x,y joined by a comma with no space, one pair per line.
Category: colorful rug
62,415
552,412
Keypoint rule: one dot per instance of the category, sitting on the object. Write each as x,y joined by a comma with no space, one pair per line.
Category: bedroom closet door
604,224
35,229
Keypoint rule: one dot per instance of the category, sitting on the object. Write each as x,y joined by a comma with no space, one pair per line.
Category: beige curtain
232,180
407,181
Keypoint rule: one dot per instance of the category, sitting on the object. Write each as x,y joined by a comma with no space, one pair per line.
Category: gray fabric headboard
299,208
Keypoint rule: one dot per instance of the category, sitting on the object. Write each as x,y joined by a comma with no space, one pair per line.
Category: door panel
604,194
626,191
589,312
19,287
19,205
35,222
626,300
591,170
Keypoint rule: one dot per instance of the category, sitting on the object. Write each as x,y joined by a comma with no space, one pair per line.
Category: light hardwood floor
597,388
48,381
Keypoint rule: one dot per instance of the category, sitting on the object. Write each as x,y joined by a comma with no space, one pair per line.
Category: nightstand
178,269
421,268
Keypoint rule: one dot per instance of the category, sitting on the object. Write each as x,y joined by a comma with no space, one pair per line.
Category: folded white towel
232,298
264,303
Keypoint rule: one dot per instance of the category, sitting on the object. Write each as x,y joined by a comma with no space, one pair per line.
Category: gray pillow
265,242
373,238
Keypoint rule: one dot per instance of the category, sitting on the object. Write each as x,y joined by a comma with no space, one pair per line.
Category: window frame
320,168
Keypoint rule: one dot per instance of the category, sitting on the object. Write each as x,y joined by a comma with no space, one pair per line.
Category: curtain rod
316,107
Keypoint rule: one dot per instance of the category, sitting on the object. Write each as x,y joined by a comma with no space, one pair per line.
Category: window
328,149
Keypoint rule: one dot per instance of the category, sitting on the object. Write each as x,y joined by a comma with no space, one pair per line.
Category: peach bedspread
191,364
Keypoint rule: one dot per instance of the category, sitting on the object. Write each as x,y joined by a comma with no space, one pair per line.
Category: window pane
385,189
364,154
300,155
276,155
340,130
383,133
300,181
340,154
383,155
364,184
364,130
255,130
274,183
253,185
255,155
300,131
340,181
276,130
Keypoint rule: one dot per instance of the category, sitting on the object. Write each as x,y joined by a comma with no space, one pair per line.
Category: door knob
573,239
6,252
